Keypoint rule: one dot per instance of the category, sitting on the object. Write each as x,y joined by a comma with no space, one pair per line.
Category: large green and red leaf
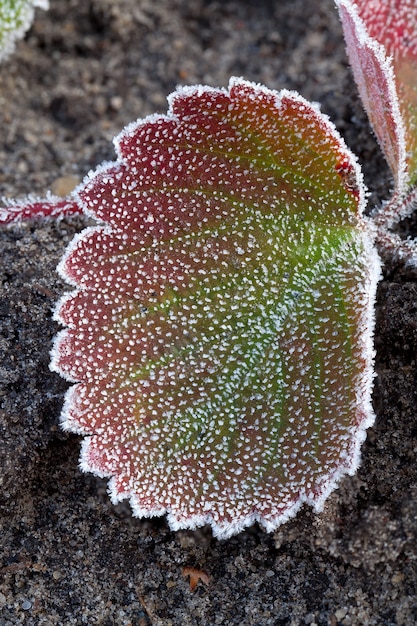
220,332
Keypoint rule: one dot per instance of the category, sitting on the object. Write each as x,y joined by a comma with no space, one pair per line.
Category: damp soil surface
67,555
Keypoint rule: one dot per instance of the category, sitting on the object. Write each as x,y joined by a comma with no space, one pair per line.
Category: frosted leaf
220,330
375,78
381,37
31,207
393,23
16,16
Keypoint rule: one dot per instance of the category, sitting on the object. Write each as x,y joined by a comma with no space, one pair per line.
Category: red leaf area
382,46
393,23
31,208
176,296
376,82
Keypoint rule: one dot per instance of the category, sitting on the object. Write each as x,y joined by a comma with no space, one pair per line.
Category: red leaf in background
381,37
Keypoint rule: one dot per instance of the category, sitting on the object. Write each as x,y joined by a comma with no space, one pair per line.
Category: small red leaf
31,208
195,576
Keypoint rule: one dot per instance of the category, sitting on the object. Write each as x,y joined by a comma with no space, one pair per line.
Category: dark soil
67,556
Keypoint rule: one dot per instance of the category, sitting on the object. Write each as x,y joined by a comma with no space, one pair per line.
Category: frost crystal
220,332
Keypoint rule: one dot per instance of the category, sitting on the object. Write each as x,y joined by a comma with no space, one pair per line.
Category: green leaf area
221,328
15,18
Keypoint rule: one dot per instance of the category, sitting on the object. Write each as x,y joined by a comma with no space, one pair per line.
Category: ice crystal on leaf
16,17
220,329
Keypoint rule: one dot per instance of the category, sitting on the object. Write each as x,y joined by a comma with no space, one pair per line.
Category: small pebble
63,185
340,614
397,579
26,605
